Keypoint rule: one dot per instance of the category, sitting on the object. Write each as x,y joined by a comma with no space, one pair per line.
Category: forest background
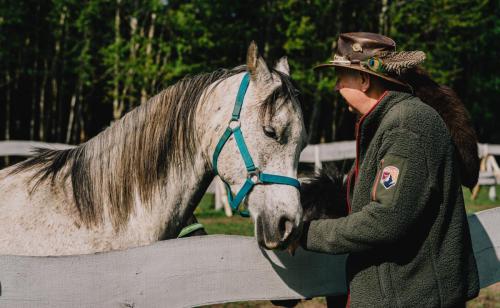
69,68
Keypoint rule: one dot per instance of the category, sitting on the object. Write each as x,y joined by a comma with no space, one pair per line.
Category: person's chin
354,110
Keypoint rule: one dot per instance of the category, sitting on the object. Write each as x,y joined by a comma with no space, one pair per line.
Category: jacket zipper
358,125
377,179
348,195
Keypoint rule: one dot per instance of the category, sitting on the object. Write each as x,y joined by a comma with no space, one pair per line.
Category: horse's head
273,131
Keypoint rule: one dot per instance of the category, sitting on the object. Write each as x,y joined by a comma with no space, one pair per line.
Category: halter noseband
254,175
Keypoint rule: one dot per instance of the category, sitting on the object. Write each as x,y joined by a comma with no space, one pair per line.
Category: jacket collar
368,124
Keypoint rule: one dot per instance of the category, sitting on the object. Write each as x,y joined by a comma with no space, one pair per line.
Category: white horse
140,180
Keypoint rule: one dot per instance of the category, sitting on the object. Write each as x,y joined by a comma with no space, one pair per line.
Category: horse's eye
270,132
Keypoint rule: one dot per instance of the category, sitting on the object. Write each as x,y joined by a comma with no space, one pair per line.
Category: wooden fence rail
325,151
199,271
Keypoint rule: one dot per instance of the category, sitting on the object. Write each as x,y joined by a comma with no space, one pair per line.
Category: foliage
69,68
459,39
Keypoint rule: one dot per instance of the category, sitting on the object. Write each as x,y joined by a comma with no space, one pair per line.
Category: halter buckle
254,176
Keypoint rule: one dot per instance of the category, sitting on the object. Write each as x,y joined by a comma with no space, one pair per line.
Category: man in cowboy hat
407,234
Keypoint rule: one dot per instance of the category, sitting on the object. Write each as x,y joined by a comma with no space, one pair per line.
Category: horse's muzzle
277,235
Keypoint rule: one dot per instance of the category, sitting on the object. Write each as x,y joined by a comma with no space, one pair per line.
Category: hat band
374,64
340,60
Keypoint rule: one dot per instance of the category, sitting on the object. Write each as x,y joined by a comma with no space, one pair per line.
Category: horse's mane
135,153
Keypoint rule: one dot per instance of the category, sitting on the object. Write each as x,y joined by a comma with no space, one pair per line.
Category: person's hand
300,241
292,247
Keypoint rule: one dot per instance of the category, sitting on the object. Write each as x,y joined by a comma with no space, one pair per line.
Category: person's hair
451,109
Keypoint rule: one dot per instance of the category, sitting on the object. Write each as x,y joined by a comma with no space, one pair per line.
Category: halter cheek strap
254,175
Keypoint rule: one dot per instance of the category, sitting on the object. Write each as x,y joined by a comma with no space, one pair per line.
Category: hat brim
363,69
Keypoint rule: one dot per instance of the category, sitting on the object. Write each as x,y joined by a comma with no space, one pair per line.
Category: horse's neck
183,191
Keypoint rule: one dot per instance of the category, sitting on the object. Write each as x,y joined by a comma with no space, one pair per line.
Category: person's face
352,87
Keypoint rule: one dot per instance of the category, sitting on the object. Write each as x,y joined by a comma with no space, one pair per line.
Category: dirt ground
488,298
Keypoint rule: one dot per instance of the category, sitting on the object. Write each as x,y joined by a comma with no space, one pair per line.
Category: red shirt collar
373,107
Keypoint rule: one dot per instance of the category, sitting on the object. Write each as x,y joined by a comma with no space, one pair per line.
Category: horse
140,179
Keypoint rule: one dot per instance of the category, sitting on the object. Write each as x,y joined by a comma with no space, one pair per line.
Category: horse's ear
282,66
256,65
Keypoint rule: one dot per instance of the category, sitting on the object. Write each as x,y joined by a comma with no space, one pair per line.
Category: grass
482,202
216,222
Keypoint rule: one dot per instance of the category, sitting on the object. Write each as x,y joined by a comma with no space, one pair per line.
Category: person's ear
365,81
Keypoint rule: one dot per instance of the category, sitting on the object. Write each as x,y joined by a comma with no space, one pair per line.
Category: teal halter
254,175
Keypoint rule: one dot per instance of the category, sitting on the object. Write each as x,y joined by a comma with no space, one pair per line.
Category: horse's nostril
285,228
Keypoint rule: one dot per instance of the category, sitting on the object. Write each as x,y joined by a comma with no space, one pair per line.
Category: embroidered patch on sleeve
389,176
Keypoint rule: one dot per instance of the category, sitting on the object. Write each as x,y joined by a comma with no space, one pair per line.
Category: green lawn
216,222
482,202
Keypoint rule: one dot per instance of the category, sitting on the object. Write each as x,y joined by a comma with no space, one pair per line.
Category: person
406,232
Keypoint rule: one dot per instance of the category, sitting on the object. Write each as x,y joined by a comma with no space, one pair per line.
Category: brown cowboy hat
374,54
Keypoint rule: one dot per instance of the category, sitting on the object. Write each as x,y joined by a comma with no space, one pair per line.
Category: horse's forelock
286,91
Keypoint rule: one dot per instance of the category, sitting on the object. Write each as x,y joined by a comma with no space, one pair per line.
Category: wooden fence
199,271
196,271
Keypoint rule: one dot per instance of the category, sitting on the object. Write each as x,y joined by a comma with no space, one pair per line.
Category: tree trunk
53,103
149,47
60,101
383,18
134,46
34,98
54,82
81,136
7,111
36,70
41,127
72,110
117,102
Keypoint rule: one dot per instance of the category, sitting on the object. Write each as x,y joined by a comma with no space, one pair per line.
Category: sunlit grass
482,202
216,222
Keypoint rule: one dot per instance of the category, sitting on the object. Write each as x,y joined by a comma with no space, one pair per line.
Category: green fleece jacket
407,234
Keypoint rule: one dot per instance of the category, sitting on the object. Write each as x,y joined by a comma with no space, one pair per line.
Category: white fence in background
341,150
316,154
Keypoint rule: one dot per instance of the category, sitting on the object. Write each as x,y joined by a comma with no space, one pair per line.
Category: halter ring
254,176
234,124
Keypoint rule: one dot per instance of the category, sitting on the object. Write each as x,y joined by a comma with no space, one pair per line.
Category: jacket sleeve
399,195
